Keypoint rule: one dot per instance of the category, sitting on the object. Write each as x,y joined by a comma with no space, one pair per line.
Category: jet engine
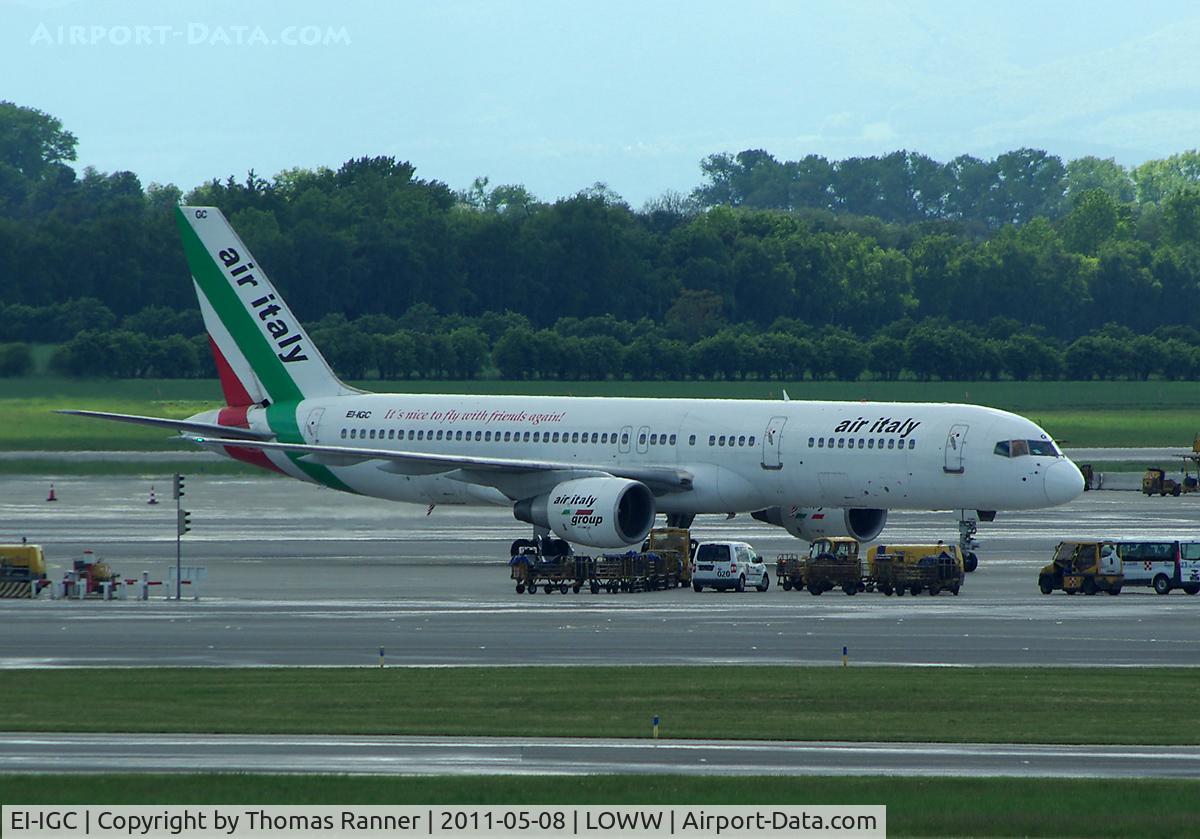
810,523
599,512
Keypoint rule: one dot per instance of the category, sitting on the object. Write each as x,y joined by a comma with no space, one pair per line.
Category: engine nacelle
810,523
599,512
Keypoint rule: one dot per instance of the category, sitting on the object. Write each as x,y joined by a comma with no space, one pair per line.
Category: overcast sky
559,95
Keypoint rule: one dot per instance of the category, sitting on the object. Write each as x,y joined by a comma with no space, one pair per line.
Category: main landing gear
683,520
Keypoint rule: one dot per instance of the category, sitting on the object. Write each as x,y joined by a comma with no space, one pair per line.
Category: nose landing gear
967,527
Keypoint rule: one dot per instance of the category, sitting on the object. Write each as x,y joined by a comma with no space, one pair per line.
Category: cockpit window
1021,448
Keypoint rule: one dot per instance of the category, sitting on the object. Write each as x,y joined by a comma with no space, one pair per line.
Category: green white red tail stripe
258,336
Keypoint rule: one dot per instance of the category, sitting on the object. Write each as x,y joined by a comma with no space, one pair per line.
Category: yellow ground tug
896,569
833,562
1156,482
1088,567
22,570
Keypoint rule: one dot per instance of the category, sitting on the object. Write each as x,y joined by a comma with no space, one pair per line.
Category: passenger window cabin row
605,438
596,437
859,443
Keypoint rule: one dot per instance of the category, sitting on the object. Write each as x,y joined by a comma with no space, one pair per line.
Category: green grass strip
1020,705
915,806
54,467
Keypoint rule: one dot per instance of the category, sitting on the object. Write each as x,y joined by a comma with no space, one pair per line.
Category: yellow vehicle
675,546
22,570
1083,566
896,569
833,562
1156,482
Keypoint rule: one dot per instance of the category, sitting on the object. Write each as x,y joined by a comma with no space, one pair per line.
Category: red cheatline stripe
231,385
255,457
235,417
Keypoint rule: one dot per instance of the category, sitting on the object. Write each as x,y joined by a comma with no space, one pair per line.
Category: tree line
599,348
857,246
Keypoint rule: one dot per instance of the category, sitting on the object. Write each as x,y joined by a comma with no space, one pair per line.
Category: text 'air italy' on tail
262,351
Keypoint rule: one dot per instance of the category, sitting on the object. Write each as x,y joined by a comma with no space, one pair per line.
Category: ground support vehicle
1086,567
1156,482
675,545
90,577
22,570
728,565
635,571
896,569
834,563
1191,471
547,563
1164,566
789,571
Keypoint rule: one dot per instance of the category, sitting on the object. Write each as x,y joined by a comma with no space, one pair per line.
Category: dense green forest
1022,266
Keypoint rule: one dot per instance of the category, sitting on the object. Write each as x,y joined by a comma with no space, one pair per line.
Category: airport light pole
182,526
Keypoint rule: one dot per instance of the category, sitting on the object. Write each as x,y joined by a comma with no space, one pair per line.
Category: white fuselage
743,455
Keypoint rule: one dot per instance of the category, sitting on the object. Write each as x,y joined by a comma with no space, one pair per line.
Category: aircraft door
956,442
626,433
643,438
772,441
313,426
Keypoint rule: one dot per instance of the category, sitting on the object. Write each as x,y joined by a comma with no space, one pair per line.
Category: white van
725,565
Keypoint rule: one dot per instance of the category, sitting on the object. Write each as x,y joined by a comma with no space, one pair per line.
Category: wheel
741,583
888,590
954,589
1045,586
548,588
850,589
562,587
1069,591
575,588
786,583
915,589
595,587
814,590
1115,591
1176,490
934,591
765,584
1089,586
520,588
1191,588
798,585
900,591
531,588
1162,585
697,587
970,561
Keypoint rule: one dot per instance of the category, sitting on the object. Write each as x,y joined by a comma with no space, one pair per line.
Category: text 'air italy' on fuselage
595,471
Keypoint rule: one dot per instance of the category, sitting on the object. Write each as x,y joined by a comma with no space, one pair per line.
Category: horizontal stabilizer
182,426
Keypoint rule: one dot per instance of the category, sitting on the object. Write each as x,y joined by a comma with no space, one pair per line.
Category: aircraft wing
182,426
491,471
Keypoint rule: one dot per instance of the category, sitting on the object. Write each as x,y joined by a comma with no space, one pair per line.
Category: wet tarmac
297,575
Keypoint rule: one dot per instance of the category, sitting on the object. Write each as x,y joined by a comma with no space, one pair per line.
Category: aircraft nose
1064,482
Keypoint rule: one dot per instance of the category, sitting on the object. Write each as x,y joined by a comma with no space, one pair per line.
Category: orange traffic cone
152,500
51,496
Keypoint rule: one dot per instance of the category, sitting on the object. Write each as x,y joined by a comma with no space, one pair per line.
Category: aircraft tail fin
262,352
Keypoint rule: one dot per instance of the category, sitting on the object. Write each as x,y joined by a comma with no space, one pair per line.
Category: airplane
592,471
